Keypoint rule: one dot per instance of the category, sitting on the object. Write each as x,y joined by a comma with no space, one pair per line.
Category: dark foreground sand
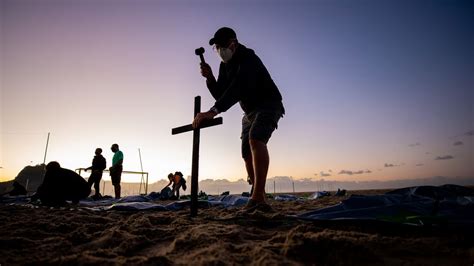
78,236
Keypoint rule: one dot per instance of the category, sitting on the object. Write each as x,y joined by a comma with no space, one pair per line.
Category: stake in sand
195,163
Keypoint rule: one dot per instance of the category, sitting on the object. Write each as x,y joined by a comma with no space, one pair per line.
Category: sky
374,90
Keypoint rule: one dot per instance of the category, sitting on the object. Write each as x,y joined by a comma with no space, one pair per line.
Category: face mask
225,54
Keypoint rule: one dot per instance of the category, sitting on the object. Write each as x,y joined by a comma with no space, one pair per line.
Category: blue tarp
319,194
148,206
286,197
143,202
227,201
14,199
449,203
224,201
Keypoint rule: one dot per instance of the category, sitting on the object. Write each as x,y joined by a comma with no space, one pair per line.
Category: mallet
200,51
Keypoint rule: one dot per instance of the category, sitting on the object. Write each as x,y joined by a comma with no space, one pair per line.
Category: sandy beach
76,235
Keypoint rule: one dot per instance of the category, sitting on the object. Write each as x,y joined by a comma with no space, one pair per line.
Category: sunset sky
374,90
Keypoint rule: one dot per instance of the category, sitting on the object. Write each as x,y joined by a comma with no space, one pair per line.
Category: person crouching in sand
178,182
61,184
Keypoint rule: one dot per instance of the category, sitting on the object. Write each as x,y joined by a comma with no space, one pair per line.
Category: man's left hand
202,117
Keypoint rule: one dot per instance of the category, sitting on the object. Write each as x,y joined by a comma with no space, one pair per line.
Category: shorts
116,174
258,125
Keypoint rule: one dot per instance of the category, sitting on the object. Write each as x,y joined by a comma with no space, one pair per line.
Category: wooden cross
195,163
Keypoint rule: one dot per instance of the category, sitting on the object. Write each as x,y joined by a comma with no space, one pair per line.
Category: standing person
116,169
98,166
243,78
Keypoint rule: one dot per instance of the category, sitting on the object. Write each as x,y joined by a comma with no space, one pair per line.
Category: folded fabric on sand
286,197
127,205
447,204
227,201
319,194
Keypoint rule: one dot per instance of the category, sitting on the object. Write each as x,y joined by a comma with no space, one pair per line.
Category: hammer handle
202,58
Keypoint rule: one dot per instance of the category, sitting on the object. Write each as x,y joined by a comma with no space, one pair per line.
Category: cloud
390,165
419,164
414,145
446,157
458,143
330,171
349,172
427,152
470,133
315,174
323,174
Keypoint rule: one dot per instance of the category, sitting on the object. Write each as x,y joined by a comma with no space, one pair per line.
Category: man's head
115,147
53,166
98,151
225,43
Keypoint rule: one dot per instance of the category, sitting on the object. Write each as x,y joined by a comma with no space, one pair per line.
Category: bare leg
97,187
261,161
117,190
250,170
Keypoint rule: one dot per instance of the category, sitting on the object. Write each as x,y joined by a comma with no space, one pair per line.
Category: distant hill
33,175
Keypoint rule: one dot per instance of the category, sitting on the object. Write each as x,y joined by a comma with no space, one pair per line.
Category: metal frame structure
142,181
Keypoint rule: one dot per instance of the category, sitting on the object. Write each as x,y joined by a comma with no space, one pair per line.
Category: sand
217,236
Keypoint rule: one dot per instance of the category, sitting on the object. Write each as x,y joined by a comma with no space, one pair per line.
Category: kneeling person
62,184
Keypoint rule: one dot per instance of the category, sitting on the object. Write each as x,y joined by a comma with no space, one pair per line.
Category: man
61,184
243,78
116,169
98,166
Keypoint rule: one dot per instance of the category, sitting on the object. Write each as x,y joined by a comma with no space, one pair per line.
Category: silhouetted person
178,182
98,166
61,184
243,78
116,169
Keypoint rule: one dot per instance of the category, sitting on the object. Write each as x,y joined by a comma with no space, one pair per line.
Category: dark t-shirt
99,163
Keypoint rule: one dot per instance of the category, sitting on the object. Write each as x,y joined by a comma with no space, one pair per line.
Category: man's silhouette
243,78
98,166
116,169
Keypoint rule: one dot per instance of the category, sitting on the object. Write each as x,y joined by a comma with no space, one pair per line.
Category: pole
195,163
146,185
44,158
141,165
46,149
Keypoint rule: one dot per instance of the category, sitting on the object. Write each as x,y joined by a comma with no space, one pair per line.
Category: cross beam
195,162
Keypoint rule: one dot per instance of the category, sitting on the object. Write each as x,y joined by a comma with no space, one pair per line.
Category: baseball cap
222,36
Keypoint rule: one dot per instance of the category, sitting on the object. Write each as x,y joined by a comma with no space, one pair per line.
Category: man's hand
206,71
202,117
